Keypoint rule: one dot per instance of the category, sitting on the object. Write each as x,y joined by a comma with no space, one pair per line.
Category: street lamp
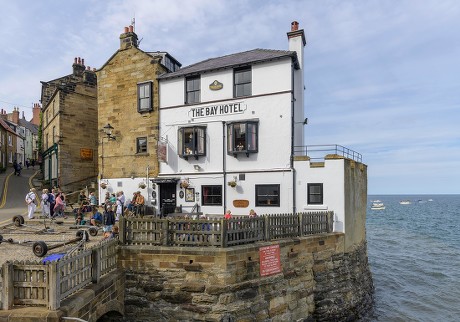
108,132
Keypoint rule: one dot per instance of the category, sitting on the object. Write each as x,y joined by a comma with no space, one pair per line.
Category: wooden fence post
96,264
223,237
330,221
122,230
165,232
300,224
267,236
54,286
8,286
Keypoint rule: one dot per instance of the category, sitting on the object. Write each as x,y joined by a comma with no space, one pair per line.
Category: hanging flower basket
232,184
142,185
184,184
103,185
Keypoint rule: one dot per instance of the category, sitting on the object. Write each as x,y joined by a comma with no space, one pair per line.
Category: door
167,198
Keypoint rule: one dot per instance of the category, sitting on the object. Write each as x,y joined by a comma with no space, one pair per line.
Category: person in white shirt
31,203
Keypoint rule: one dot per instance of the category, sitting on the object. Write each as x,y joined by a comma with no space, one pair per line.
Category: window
192,142
243,80
10,140
192,90
211,195
315,193
141,145
144,97
242,137
268,195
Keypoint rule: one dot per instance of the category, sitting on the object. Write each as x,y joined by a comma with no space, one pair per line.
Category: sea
414,257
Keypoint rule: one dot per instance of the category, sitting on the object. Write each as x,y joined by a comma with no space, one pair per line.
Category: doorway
167,198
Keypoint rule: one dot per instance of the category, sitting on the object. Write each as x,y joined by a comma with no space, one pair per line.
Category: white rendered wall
332,177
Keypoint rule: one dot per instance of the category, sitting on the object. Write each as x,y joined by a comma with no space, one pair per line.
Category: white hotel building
230,127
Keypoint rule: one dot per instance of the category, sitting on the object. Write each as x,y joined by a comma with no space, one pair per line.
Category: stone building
8,145
128,107
69,143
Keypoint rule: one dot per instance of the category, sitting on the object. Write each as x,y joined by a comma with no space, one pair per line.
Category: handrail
319,152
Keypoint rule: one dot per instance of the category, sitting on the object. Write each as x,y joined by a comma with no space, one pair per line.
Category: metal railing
318,152
222,232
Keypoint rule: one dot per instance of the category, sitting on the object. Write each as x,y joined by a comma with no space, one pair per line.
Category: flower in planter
142,185
103,185
232,184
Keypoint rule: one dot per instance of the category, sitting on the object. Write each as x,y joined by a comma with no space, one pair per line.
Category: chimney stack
128,39
15,116
78,66
297,41
36,114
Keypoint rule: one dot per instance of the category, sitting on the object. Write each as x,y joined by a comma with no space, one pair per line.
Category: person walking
31,203
45,204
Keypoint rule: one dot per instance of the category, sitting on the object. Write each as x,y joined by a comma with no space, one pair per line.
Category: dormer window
242,137
192,142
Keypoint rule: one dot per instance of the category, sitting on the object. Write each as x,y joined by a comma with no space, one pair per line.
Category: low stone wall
318,282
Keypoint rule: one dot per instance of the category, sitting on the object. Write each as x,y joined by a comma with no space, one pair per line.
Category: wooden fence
47,284
222,232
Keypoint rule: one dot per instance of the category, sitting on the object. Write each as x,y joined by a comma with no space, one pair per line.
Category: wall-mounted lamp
108,131
197,167
304,122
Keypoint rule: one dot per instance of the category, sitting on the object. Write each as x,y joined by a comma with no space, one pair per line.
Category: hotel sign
217,110
216,85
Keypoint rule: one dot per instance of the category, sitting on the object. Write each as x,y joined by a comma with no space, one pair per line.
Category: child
96,218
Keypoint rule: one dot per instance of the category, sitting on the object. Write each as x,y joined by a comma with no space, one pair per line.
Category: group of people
17,168
52,203
228,214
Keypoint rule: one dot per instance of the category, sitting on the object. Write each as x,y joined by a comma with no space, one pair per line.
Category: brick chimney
78,66
15,116
297,41
36,114
128,39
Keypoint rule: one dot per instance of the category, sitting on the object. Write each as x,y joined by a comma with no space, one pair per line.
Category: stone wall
117,104
318,281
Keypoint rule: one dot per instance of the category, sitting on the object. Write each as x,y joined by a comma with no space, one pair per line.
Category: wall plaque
86,154
270,263
240,203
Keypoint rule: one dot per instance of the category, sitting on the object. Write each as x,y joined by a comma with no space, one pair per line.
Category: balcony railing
318,152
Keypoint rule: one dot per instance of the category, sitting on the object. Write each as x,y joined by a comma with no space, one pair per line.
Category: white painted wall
332,177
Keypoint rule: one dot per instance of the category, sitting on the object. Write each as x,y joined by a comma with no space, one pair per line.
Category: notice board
270,260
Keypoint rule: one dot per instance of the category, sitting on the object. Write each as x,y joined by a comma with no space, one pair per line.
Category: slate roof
234,60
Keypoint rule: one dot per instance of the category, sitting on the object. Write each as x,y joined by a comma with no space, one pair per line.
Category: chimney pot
83,62
131,28
126,30
294,26
94,69
75,60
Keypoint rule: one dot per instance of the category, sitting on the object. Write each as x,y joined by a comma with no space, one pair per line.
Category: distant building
128,100
8,145
70,128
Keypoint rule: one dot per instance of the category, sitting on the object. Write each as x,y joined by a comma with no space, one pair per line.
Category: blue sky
382,77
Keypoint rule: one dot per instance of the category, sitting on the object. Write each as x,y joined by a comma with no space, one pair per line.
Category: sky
382,77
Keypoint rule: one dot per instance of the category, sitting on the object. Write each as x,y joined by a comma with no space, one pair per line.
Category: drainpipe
292,142
224,168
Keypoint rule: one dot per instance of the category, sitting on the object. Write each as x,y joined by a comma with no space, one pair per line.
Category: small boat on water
405,202
430,199
377,205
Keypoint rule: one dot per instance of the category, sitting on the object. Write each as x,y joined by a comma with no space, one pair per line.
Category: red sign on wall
269,260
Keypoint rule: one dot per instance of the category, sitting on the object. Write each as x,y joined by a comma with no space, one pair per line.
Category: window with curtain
242,137
211,195
144,97
141,145
192,142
